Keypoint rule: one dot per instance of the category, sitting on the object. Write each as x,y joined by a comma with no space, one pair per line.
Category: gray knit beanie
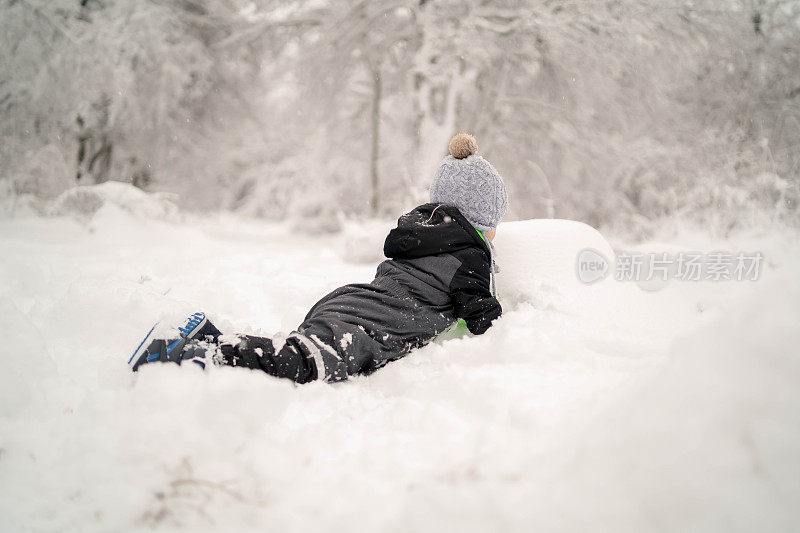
470,183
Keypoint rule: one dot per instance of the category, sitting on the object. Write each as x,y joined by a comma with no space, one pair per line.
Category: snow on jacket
439,270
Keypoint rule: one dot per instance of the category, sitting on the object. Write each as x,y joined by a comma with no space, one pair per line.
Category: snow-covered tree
613,112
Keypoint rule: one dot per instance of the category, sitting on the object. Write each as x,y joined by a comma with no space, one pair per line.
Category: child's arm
471,296
478,311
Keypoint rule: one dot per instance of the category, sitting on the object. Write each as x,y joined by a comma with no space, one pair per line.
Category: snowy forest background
618,113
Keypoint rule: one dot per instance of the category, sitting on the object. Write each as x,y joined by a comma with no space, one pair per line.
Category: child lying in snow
439,270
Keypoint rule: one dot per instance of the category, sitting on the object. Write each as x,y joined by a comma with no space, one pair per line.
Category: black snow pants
355,329
289,362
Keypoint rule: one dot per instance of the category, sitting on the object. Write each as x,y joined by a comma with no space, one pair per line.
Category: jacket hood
432,229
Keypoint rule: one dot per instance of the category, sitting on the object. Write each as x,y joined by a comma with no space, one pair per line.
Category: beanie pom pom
463,145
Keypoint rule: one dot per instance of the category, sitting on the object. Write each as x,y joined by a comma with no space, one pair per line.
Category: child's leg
289,362
199,338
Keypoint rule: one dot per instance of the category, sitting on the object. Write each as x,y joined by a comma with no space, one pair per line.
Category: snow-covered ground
613,409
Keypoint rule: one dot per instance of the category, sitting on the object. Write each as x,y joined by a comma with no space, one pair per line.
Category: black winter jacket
438,271
436,239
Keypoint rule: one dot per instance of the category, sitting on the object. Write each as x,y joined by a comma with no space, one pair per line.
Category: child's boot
196,328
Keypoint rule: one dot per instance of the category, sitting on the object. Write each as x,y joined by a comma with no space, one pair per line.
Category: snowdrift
96,201
584,407
708,443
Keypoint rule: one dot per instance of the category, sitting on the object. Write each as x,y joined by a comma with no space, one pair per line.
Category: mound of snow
538,261
544,251
85,202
